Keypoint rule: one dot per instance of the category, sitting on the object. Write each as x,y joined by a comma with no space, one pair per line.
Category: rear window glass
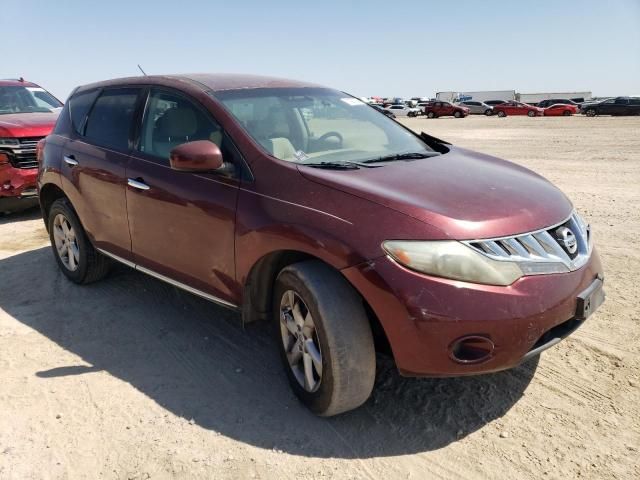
109,122
79,106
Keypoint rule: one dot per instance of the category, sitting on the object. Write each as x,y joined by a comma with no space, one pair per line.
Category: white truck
533,98
483,96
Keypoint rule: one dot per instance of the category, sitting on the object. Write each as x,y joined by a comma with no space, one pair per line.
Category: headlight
9,141
451,259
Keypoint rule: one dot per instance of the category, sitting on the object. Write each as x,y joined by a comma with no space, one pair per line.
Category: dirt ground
131,378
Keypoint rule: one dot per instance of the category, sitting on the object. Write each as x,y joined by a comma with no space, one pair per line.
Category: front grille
24,155
537,251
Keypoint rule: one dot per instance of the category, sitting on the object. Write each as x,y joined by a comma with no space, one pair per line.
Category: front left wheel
75,255
324,337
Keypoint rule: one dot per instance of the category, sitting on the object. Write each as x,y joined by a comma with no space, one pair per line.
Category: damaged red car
27,114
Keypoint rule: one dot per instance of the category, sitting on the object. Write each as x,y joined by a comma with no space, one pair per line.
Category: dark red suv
301,205
444,109
27,114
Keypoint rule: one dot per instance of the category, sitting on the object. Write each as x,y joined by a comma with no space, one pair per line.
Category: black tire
566,113
488,112
431,115
343,332
91,265
591,112
457,114
502,114
531,113
411,114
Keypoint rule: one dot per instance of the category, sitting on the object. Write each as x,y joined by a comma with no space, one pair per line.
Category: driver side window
171,120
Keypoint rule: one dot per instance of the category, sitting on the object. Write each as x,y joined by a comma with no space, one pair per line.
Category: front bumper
17,188
423,316
17,182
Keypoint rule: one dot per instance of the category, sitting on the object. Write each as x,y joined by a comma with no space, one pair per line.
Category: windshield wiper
339,165
332,165
401,156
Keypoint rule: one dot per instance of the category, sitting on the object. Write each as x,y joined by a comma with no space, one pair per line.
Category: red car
559,110
27,114
517,108
341,227
445,109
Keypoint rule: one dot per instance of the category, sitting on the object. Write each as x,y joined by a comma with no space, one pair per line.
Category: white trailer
481,96
534,98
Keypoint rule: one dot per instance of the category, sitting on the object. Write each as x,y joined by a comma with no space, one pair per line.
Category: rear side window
109,121
79,106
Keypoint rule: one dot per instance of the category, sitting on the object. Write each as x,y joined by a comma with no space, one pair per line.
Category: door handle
137,183
70,160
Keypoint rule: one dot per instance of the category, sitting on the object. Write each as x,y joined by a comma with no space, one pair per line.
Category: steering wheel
329,135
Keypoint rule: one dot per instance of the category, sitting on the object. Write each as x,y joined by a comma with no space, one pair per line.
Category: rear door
182,224
94,164
621,106
447,108
474,107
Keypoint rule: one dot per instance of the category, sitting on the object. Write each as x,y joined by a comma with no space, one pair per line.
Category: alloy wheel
66,242
300,341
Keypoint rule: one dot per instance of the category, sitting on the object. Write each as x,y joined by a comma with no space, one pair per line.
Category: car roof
207,81
16,83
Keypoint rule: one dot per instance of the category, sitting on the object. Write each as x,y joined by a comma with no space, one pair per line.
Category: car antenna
143,72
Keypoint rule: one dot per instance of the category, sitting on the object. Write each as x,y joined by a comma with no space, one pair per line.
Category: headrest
280,148
178,122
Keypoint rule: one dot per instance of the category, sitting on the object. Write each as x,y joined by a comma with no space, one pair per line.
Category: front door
94,164
182,224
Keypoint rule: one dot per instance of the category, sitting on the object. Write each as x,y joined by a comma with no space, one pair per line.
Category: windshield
18,99
308,125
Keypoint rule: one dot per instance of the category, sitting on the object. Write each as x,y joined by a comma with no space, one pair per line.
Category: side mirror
197,156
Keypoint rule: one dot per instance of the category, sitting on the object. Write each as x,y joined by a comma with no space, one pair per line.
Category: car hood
37,124
466,195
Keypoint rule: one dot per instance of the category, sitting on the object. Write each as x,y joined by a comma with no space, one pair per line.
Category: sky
388,48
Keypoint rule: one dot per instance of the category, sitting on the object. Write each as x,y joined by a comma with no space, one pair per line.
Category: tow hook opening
471,349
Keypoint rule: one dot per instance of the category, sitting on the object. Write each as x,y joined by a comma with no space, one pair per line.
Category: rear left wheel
325,339
531,113
75,255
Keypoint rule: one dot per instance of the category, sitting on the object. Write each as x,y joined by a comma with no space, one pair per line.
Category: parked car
403,110
388,113
517,108
444,109
557,101
493,103
27,114
560,110
339,229
612,106
477,108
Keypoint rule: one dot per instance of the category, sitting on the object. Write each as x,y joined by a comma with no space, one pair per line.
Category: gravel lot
132,378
